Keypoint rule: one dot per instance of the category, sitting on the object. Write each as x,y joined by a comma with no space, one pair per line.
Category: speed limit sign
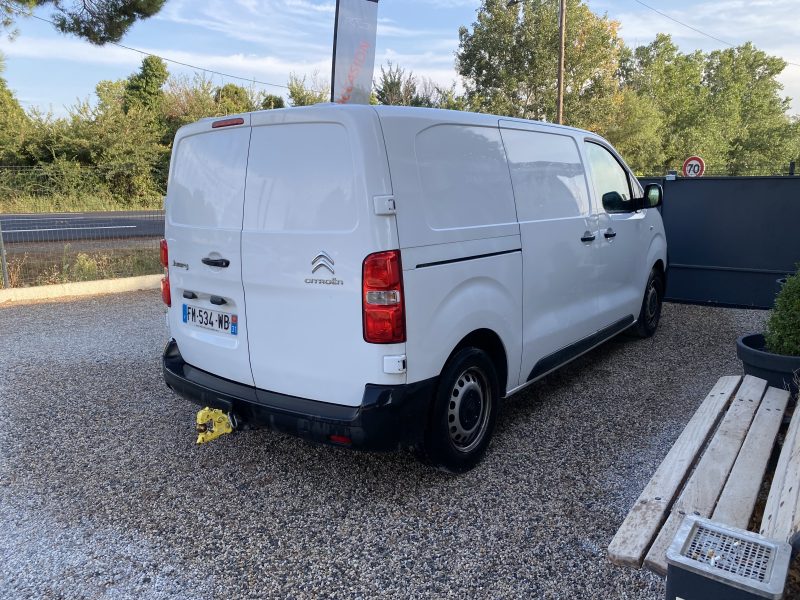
694,166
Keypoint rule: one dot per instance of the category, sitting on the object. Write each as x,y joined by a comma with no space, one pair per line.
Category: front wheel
650,313
464,412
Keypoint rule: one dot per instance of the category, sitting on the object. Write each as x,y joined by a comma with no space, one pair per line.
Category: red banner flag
354,51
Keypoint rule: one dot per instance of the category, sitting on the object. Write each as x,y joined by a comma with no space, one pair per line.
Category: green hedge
783,326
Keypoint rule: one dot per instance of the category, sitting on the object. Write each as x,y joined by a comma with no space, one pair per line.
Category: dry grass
31,269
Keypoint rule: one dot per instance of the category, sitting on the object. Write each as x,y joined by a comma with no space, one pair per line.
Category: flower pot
779,370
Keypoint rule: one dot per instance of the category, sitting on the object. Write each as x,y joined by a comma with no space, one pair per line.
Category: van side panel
309,222
458,233
447,302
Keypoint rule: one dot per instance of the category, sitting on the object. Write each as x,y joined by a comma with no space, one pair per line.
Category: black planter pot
779,370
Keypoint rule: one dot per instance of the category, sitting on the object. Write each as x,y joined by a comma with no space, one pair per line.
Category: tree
300,95
143,89
674,84
509,61
270,101
637,132
743,87
186,101
395,87
13,123
126,145
98,21
232,98
448,99
726,105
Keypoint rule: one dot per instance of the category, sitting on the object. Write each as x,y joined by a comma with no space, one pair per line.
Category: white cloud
283,26
325,7
262,67
67,49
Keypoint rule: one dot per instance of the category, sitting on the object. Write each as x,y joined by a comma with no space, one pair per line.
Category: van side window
547,174
464,177
611,184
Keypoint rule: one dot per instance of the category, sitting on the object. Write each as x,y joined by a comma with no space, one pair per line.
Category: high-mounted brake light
382,299
166,293
227,123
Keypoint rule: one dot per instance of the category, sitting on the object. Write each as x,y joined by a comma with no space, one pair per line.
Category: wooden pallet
715,469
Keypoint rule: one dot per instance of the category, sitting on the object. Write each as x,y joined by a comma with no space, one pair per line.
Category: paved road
104,494
58,227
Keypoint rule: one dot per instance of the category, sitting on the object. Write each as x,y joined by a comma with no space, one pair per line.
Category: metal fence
64,222
730,239
48,248
715,170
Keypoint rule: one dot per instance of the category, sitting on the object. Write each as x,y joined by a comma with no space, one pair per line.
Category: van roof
446,116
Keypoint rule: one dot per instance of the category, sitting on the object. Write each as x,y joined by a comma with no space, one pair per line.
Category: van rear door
309,222
205,200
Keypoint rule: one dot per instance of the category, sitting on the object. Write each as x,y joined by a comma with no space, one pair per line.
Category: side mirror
614,203
653,195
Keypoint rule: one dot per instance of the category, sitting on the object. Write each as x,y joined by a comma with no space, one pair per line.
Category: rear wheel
464,412
650,313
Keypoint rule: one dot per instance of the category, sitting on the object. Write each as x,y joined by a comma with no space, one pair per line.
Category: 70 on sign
694,166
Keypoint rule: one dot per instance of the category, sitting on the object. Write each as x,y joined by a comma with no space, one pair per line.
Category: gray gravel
103,492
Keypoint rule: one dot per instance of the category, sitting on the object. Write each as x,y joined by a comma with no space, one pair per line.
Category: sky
268,39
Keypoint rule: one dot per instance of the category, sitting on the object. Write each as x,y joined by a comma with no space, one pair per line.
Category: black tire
463,413
650,313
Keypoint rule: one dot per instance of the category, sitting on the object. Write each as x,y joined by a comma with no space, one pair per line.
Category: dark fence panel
730,238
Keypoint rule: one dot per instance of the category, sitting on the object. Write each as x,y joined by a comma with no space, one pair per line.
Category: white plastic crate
708,560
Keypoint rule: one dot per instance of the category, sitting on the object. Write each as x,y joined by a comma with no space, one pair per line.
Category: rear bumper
389,417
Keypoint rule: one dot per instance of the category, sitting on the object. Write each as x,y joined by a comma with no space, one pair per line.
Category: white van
381,277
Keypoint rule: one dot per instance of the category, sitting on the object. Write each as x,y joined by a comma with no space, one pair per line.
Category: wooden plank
738,498
781,512
700,494
648,513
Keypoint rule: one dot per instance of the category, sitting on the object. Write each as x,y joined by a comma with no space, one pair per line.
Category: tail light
340,439
164,250
384,307
166,293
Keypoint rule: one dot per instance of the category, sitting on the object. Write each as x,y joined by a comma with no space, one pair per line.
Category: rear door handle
216,262
610,233
588,236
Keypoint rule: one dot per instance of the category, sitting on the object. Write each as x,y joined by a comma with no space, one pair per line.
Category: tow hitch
213,423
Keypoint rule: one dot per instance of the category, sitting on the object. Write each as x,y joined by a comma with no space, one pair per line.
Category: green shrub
783,326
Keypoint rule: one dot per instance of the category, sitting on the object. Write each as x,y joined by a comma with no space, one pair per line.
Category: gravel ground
103,492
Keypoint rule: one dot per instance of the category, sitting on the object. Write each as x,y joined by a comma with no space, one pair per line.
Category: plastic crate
710,561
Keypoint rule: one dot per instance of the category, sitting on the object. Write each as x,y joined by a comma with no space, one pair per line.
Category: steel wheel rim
468,410
652,304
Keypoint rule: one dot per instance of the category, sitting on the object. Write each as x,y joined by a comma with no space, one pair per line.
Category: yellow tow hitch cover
211,424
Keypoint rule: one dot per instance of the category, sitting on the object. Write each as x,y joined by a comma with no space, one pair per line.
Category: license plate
210,319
